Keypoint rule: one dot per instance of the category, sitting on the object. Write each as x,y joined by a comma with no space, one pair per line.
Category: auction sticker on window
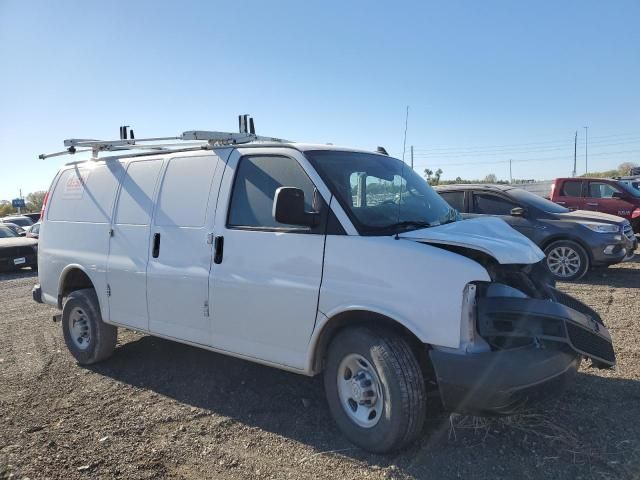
74,186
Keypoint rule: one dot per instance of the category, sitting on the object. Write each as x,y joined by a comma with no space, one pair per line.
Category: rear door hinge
206,308
111,232
108,290
210,238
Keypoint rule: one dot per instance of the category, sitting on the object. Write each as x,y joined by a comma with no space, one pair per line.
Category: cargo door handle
218,245
156,245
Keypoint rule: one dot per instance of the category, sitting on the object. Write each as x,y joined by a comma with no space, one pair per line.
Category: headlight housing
601,227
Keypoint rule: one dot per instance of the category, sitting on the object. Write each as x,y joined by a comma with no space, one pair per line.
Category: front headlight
601,227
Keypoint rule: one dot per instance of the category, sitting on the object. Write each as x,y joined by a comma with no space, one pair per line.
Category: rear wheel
566,260
87,337
375,389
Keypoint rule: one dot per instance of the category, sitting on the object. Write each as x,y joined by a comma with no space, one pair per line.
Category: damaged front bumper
536,348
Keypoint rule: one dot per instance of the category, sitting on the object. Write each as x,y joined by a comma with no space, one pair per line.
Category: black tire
83,304
569,246
402,384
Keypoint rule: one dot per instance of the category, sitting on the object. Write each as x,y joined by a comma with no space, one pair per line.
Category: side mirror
288,208
518,212
618,195
22,234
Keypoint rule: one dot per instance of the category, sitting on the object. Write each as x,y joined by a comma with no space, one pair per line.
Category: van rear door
180,260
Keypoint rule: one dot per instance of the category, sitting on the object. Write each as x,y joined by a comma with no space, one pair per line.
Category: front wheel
566,260
375,389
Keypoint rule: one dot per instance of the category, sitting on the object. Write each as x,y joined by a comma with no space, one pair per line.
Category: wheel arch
567,238
360,317
73,277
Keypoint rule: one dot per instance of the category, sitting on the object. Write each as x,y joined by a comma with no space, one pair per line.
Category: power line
529,160
566,146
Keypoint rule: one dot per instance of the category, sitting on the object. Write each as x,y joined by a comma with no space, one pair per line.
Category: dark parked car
20,220
35,217
573,241
16,251
16,228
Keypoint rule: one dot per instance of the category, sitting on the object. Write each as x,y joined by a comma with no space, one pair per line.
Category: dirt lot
160,409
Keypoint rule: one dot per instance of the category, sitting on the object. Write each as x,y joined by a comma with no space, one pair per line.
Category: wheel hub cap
563,261
79,328
360,391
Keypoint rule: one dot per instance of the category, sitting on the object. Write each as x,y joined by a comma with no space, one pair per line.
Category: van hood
590,216
490,235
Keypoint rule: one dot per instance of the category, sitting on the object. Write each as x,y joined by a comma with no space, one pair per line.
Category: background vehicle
20,220
321,260
572,241
33,231
16,228
599,195
35,217
17,252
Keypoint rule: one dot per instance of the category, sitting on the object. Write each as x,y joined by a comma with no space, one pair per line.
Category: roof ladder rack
204,140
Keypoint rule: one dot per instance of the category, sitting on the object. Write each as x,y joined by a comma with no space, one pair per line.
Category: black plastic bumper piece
502,382
36,292
564,321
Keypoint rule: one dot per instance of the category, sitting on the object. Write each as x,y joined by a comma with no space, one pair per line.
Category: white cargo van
313,259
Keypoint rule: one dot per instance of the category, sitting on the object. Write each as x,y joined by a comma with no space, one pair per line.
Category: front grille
628,231
13,252
590,343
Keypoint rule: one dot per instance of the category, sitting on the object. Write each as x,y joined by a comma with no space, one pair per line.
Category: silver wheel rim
564,262
79,328
360,390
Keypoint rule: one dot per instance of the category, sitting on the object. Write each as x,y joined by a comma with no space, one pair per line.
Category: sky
485,82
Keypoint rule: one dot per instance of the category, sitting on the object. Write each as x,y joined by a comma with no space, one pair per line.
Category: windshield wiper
404,225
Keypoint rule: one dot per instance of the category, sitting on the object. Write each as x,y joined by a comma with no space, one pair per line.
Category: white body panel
129,244
490,235
264,294
418,285
178,279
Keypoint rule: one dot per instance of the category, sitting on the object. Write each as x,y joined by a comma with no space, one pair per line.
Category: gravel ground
161,409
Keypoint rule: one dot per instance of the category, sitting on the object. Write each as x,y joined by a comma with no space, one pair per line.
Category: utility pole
586,145
510,175
411,157
575,153
20,209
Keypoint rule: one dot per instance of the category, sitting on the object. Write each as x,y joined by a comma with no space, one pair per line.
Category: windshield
380,194
6,232
536,201
633,188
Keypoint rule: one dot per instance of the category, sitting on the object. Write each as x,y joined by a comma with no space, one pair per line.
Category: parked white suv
313,259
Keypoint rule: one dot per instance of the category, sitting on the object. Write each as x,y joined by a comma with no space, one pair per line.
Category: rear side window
571,189
135,203
601,190
84,194
185,191
492,204
254,189
455,199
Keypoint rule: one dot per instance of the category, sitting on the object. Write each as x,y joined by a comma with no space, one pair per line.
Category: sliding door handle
218,245
156,245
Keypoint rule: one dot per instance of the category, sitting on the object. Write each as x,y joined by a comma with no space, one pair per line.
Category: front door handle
592,204
156,245
218,245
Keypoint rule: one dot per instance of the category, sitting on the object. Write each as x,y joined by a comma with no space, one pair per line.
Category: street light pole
586,146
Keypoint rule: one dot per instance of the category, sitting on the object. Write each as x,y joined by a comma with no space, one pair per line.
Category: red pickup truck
599,194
